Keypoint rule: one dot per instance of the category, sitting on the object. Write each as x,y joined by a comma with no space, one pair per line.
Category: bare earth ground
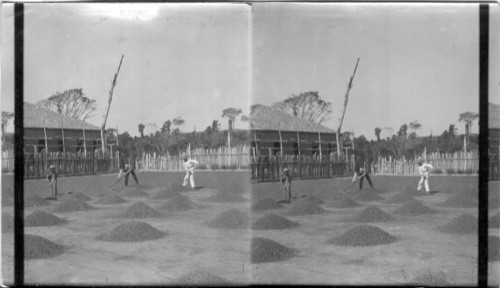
189,245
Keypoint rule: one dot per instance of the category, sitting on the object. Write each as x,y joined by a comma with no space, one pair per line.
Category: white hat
52,167
286,169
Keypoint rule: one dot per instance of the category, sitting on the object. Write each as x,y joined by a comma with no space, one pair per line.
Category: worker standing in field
189,165
125,172
361,174
52,177
424,169
287,185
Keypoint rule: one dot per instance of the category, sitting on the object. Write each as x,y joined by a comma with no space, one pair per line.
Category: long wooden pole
256,144
298,137
117,142
45,137
281,142
346,98
320,152
64,142
103,127
84,142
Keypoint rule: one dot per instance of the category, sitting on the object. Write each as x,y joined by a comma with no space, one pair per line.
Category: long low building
46,129
271,131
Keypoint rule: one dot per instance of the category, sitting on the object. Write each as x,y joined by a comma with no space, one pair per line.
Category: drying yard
231,232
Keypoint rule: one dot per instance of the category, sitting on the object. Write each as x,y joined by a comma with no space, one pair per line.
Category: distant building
266,125
42,125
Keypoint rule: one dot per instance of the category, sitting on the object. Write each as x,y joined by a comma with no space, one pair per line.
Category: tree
468,118
72,103
215,126
166,126
308,106
6,116
403,130
414,126
208,130
445,135
452,131
141,129
178,121
231,113
377,133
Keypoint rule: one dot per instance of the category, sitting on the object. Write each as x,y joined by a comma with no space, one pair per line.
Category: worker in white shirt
189,165
424,169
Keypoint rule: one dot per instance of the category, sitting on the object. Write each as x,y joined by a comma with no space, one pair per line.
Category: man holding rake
286,179
424,169
52,177
361,174
127,170
189,165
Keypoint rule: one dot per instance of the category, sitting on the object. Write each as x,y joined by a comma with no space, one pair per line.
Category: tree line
310,106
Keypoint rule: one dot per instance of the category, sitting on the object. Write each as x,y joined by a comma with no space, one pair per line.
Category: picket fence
8,161
222,158
450,163
300,167
66,164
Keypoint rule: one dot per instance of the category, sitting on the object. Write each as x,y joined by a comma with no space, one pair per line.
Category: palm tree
468,118
377,133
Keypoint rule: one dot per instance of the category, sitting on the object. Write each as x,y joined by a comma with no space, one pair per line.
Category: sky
180,60
417,61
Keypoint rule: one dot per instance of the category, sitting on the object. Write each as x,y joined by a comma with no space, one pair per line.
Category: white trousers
189,176
424,179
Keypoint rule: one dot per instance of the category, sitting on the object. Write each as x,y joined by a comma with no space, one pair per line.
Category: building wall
34,140
494,141
268,142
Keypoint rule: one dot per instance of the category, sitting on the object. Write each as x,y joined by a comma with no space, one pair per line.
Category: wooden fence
8,161
453,163
67,164
213,159
270,168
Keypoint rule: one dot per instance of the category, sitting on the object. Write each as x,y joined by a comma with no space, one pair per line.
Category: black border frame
483,128
19,144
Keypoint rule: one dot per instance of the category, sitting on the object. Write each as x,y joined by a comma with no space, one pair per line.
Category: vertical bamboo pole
256,144
117,142
64,142
229,145
319,140
46,140
298,137
84,142
281,142
465,143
